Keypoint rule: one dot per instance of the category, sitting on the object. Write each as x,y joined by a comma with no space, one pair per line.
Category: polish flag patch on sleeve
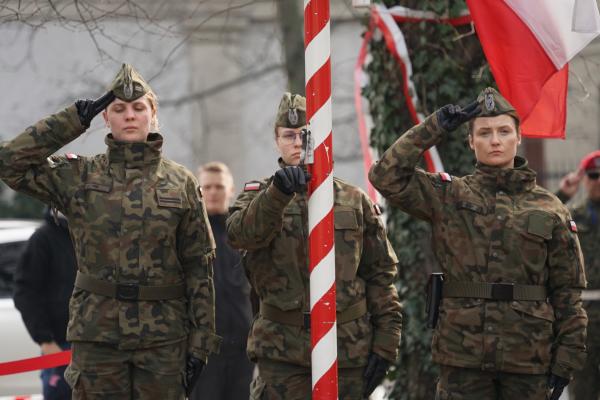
572,226
445,177
71,156
251,186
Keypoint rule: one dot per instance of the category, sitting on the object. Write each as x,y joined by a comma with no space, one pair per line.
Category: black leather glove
375,371
88,109
193,368
452,116
557,384
290,180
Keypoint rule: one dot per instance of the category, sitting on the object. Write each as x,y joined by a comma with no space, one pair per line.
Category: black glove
452,116
193,368
558,384
375,371
88,109
290,180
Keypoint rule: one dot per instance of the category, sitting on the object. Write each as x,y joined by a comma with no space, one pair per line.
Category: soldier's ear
470,138
105,116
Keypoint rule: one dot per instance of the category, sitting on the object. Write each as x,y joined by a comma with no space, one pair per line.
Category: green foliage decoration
448,67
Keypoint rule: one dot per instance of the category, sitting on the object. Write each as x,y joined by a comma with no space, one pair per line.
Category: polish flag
528,44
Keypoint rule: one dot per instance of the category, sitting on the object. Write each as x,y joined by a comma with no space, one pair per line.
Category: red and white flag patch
251,186
445,177
71,156
572,226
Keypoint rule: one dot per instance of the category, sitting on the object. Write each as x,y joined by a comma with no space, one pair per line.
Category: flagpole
323,327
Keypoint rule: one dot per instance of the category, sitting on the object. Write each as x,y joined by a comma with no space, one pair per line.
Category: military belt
300,318
590,295
495,291
128,291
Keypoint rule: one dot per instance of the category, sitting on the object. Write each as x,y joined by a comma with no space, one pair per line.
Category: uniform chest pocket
348,243
169,198
526,243
345,219
292,219
469,216
99,206
539,226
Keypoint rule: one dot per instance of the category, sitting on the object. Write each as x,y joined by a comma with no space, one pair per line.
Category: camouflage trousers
282,381
586,383
100,371
472,384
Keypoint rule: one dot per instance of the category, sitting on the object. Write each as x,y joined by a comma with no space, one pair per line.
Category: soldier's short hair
153,100
215,167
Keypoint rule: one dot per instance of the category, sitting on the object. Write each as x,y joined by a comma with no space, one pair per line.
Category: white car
15,342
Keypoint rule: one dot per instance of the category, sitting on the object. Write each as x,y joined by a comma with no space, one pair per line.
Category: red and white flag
528,44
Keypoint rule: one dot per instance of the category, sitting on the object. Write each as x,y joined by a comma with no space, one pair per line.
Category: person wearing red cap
586,383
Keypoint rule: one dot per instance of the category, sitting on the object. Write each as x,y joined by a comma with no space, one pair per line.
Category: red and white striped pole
323,327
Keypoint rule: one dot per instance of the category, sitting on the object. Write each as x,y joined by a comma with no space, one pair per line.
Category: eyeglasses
593,175
289,137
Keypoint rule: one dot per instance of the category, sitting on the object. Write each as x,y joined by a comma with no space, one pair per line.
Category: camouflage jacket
272,227
134,217
588,229
495,225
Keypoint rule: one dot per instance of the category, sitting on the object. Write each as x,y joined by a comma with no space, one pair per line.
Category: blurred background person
43,285
586,383
227,375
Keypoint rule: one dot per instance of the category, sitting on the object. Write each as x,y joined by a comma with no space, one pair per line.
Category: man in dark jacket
43,285
586,383
227,375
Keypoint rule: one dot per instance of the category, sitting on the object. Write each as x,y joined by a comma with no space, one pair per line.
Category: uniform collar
135,154
519,179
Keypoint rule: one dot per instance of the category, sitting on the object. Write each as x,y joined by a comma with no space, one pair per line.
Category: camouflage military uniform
135,218
586,383
494,226
272,227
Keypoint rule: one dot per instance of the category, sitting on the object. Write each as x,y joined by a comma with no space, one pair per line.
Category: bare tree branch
221,86
194,30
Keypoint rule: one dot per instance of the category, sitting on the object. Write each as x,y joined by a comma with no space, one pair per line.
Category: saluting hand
87,109
290,180
569,184
452,116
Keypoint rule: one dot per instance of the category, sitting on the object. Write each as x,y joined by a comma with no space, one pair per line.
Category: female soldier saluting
143,299
511,323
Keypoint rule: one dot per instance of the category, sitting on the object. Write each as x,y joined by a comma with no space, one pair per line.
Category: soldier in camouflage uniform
511,323
269,221
143,299
586,383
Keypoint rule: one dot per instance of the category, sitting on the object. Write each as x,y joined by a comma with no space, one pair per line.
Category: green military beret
493,104
129,85
291,112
